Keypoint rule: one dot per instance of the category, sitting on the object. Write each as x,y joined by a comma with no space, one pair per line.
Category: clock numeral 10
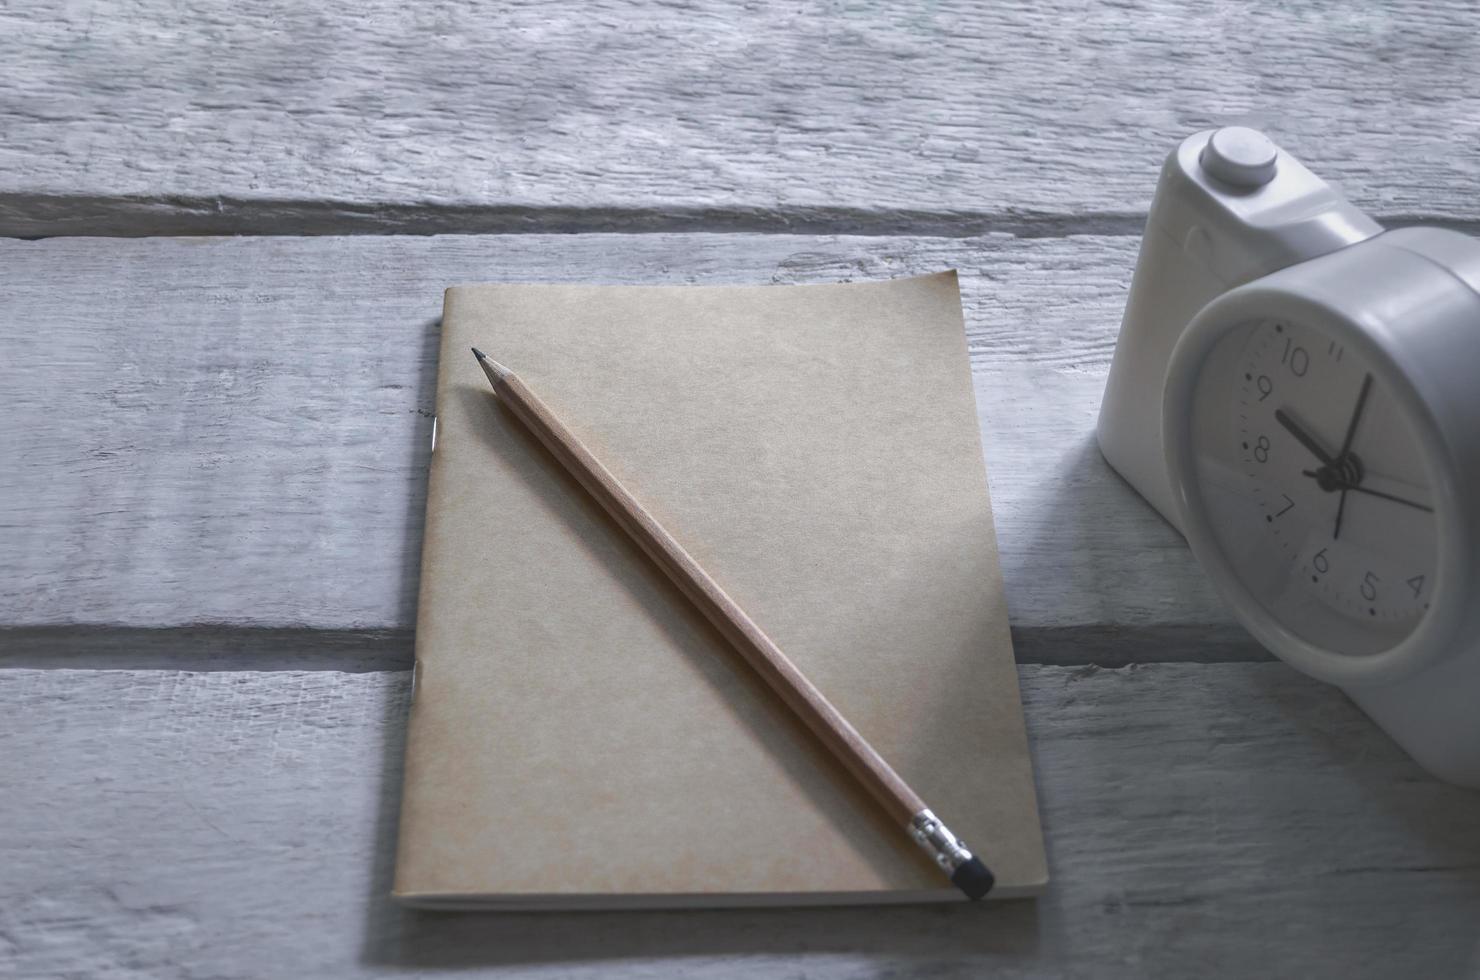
1297,357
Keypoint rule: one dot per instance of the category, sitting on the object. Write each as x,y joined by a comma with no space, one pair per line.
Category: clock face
1316,486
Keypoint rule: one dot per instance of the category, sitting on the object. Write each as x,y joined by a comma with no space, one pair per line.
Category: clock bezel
1435,634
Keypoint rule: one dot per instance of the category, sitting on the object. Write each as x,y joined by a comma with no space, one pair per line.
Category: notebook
580,737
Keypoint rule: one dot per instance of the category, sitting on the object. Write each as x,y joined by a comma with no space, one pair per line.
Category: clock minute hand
1351,429
1305,438
1346,446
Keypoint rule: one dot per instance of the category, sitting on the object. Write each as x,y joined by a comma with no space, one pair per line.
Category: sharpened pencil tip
496,372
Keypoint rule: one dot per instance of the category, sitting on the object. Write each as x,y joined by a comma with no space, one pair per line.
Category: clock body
1321,433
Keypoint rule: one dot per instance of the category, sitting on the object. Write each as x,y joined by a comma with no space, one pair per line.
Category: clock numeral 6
1320,562
1369,587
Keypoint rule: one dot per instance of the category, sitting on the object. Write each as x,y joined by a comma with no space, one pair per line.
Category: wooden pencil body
824,720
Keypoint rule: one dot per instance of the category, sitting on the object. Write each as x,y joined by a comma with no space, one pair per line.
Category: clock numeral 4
1416,584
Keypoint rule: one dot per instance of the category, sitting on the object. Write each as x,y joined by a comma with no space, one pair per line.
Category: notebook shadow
901,935
425,393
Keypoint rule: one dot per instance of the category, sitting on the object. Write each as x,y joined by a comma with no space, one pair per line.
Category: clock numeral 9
1265,386
1369,587
1261,449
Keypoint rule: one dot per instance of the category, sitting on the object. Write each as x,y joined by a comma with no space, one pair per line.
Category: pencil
903,805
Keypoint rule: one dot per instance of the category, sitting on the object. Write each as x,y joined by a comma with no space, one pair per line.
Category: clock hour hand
1305,438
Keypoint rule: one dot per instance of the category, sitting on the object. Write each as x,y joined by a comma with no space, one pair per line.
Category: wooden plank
1216,820
235,432
181,116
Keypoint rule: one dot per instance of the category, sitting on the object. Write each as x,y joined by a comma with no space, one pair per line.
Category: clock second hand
1372,493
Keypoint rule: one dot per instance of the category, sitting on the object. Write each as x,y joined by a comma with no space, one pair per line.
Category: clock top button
1240,157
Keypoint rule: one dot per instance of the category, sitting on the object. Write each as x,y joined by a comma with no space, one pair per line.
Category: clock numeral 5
1369,587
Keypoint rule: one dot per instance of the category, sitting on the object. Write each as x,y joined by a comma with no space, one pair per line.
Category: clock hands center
1335,471
1342,472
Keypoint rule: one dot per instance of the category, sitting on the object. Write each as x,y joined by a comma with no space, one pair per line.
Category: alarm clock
1298,392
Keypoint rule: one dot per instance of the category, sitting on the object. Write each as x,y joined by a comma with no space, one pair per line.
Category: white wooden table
213,448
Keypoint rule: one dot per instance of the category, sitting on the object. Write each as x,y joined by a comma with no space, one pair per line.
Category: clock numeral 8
1261,449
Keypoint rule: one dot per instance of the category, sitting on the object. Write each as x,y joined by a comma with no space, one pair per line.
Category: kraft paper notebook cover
580,736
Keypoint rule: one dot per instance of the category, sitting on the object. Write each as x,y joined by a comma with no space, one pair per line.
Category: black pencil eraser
974,879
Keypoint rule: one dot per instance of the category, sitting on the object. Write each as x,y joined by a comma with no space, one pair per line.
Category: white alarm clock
1298,392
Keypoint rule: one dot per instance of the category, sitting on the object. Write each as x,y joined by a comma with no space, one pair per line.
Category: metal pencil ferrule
948,850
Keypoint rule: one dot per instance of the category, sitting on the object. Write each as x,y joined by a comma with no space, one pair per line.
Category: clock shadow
1399,817
1315,753
1096,576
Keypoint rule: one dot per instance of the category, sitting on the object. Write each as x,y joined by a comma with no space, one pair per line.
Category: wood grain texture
946,117
234,433
1232,820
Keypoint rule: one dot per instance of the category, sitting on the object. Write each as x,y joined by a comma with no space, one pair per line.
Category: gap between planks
227,647
33,217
